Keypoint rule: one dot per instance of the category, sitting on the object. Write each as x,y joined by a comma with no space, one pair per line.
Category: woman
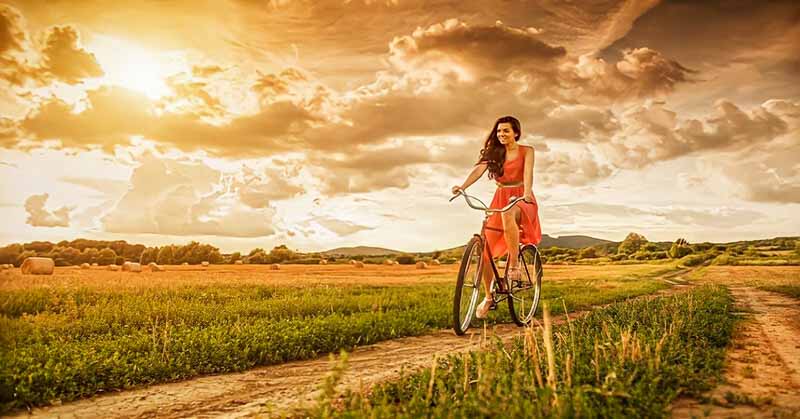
510,165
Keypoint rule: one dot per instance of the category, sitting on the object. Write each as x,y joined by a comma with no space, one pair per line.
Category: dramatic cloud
115,114
174,198
62,57
65,59
38,216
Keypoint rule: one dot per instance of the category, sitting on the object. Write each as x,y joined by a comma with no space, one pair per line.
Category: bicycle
526,290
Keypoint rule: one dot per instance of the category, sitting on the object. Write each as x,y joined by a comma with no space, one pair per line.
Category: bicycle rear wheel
468,286
524,296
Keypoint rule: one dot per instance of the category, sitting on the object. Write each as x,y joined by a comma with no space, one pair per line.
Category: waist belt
509,185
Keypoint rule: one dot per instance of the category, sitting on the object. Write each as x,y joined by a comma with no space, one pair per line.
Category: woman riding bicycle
510,165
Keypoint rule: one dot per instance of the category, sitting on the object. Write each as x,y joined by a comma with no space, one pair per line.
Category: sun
134,67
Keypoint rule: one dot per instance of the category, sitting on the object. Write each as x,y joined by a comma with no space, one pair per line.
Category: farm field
80,332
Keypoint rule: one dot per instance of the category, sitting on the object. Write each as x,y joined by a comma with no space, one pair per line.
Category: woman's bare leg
487,275
511,226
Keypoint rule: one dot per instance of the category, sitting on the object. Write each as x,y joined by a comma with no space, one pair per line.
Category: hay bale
205,264
95,264
113,267
422,265
238,262
323,262
275,267
154,267
359,264
131,267
85,266
396,262
38,266
435,262
388,262
185,264
352,261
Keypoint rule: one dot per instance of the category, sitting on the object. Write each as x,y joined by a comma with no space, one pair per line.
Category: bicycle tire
469,281
524,294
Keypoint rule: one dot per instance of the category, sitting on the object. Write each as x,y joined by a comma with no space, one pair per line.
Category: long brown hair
493,152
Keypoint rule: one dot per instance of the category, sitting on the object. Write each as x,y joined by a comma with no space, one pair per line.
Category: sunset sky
322,123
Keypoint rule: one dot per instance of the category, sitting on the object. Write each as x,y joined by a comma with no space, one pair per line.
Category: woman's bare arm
528,174
474,175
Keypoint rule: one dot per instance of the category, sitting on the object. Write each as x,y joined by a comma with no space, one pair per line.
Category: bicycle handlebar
467,198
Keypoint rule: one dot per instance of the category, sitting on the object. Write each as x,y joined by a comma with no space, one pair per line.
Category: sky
320,124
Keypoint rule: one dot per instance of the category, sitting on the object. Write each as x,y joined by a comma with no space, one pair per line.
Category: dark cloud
62,57
65,59
38,216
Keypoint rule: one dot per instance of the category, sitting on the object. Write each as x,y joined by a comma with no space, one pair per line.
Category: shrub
724,259
678,251
406,259
588,253
305,261
695,259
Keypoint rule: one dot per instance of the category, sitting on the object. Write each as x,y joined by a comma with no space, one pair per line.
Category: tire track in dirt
762,371
272,390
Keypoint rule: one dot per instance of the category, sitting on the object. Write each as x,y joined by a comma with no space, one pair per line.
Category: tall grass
628,360
65,343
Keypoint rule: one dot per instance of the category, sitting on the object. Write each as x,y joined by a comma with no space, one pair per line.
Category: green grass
628,360
67,343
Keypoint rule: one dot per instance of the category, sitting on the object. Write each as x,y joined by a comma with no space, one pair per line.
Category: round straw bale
184,263
95,264
154,267
323,262
132,267
205,263
85,266
113,267
422,265
352,261
359,264
388,262
238,262
38,266
275,267
435,262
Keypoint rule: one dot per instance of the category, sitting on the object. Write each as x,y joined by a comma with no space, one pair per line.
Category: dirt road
762,373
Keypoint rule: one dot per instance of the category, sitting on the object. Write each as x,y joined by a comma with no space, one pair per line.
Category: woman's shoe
514,274
483,308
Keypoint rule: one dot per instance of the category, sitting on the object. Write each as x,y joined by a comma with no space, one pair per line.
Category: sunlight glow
131,66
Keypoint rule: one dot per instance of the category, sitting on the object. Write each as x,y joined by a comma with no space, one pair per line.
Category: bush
724,259
588,253
406,259
305,261
678,251
448,260
695,259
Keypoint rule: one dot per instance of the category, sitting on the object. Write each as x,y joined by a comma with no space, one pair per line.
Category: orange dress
530,230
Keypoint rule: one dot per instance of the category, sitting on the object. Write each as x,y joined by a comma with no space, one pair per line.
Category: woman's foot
513,274
483,308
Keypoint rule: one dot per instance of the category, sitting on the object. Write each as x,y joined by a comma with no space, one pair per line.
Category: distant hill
361,250
572,242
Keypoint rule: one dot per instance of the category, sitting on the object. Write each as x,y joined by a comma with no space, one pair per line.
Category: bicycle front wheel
525,292
468,286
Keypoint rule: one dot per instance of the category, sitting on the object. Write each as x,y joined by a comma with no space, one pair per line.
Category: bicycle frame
496,275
